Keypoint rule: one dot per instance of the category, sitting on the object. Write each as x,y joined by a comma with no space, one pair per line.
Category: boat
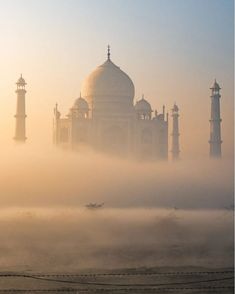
94,205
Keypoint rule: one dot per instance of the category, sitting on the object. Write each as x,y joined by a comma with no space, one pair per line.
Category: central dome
108,88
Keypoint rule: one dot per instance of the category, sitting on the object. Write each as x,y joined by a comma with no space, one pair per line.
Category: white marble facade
105,118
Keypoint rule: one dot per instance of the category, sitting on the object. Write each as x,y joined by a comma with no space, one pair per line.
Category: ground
139,280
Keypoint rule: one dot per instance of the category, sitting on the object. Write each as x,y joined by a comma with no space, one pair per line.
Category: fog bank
71,239
51,177
155,213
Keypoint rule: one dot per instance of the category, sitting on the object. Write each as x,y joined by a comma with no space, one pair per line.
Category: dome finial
108,52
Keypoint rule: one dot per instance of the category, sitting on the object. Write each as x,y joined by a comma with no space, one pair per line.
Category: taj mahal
105,118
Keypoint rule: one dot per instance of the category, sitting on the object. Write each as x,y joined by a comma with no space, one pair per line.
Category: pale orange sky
171,55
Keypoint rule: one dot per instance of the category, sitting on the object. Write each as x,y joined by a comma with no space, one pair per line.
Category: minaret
20,110
215,121
163,111
56,125
175,133
108,54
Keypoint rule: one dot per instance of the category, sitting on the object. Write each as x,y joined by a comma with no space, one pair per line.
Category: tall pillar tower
20,111
175,133
56,125
215,121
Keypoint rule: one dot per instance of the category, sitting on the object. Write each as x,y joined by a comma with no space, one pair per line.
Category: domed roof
215,86
108,83
143,106
21,81
81,103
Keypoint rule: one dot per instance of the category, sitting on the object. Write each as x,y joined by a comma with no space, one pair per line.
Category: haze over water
155,214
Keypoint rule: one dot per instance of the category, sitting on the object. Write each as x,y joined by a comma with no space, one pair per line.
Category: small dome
21,81
215,86
81,104
143,106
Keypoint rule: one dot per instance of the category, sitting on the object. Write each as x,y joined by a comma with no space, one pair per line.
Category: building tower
175,133
56,125
215,121
20,110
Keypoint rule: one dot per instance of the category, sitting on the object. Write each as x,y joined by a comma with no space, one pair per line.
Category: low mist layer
51,177
70,239
154,214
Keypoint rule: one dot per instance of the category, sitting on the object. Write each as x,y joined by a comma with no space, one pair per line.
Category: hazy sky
172,50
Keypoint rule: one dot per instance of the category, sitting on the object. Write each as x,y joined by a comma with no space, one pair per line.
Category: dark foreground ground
141,280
